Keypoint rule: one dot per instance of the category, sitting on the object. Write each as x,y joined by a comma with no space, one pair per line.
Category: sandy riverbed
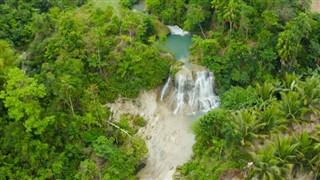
169,137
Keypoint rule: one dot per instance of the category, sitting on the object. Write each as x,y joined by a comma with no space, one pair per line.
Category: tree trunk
205,37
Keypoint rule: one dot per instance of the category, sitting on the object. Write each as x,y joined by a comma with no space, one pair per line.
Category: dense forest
62,61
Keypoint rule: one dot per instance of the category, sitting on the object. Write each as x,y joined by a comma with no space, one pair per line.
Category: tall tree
21,97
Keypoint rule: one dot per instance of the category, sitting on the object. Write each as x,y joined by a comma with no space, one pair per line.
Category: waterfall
176,30
183,83
202,96
193,91
192,87
165,87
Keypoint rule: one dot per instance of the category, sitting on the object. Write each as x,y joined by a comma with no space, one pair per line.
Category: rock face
191,90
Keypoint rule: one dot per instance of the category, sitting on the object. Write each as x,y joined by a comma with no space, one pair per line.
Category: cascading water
165,87
176,30
193,89
202,96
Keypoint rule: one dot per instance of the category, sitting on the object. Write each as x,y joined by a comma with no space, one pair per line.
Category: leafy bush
237,98
211,125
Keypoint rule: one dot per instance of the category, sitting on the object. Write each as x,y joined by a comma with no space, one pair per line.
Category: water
184,98
202,97
139,7
178,43
176,30
165,87
193,91
193,88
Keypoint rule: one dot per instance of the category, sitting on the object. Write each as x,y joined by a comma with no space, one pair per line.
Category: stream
171,109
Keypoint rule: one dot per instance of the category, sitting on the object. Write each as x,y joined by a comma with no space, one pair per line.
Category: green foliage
21,97
245,126
228,139
166,9
8,59
265,165
176,67
139,121
194,18
238,98
285,156
104,147
127,3
289,41
16,22
88,170
211,125
53,117
138,67
74,59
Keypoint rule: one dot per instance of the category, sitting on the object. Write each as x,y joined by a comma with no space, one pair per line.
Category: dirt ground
315,7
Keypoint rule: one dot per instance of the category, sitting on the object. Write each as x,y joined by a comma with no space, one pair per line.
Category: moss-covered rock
176,67
161,29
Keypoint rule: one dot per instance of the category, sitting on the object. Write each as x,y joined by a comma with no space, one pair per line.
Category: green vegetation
246,41
60,62
265,56
278,134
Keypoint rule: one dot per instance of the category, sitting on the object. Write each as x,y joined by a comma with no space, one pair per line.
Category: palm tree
265,91
290,105
309,91
232,12
304,150
289,81
246,125
272,118
265,165
284,152
315,160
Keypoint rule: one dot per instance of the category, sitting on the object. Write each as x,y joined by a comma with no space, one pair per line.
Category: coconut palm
290,105
271,118
265,91
246,126
265,164
309,91
289,81
315,160
304,150
284,150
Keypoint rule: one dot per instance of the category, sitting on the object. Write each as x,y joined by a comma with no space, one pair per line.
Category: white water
176,30
202,97
193,91
193,88
165,87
